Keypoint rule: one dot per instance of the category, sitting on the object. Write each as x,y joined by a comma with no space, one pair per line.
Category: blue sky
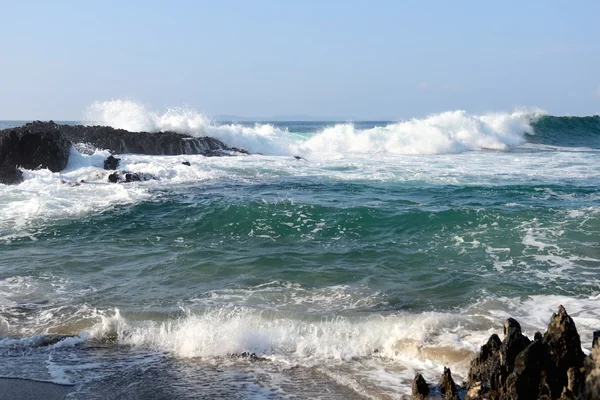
365,59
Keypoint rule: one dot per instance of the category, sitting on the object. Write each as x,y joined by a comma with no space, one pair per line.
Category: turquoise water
374,257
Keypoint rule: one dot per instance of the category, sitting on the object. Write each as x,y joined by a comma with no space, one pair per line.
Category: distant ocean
390,248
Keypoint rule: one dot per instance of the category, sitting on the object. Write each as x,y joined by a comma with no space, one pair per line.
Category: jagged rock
249,356
523,381
114,177
32,146
550,367
120,141
111,163
127,177
447,386
488,360
592,371
514,342
47,145
420,390
564,351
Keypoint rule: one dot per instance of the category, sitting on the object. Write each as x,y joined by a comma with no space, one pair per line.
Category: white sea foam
429,339
382,350
448,132
45,197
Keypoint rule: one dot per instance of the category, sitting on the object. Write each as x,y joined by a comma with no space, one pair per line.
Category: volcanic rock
47,145
127,177
32,146
592,371
111,163
550,367
564,350
447,386
487,362
120,141
420,390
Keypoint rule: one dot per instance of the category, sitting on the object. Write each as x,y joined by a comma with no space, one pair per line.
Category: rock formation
120,141
112,163
47,145
552,366
591,389
420,389
30,147
447,386
127,177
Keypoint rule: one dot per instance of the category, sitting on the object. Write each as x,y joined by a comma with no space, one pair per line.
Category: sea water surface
389,249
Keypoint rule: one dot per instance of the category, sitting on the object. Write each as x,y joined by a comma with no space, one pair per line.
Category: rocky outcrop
112,163
550,366
120,141
420,389
127,177
47,145
483,367
32,147
591,389
447,386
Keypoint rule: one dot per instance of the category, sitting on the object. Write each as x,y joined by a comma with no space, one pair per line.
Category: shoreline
28,389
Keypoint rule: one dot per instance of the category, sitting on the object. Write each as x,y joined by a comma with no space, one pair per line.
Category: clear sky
365,59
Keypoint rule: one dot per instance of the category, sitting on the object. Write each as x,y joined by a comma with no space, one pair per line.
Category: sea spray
448,132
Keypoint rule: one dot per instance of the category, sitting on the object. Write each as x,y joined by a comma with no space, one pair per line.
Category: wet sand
25,389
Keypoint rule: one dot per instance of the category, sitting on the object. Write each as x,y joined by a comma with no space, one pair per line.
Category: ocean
389,248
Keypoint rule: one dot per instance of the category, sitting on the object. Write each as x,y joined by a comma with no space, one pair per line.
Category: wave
566,131
222,331
443,133
423,342
447,132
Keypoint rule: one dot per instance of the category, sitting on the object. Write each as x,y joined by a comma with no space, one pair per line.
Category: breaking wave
447,132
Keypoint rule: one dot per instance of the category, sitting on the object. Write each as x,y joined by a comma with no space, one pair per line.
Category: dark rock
186,163
523,381
32,146
447,386
10,175
299,158
249,356
420,390
137,177
564,351
592,371
514,342
114,177
120,141
47,145
486,362
550,367
111,163
240,150
127,177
